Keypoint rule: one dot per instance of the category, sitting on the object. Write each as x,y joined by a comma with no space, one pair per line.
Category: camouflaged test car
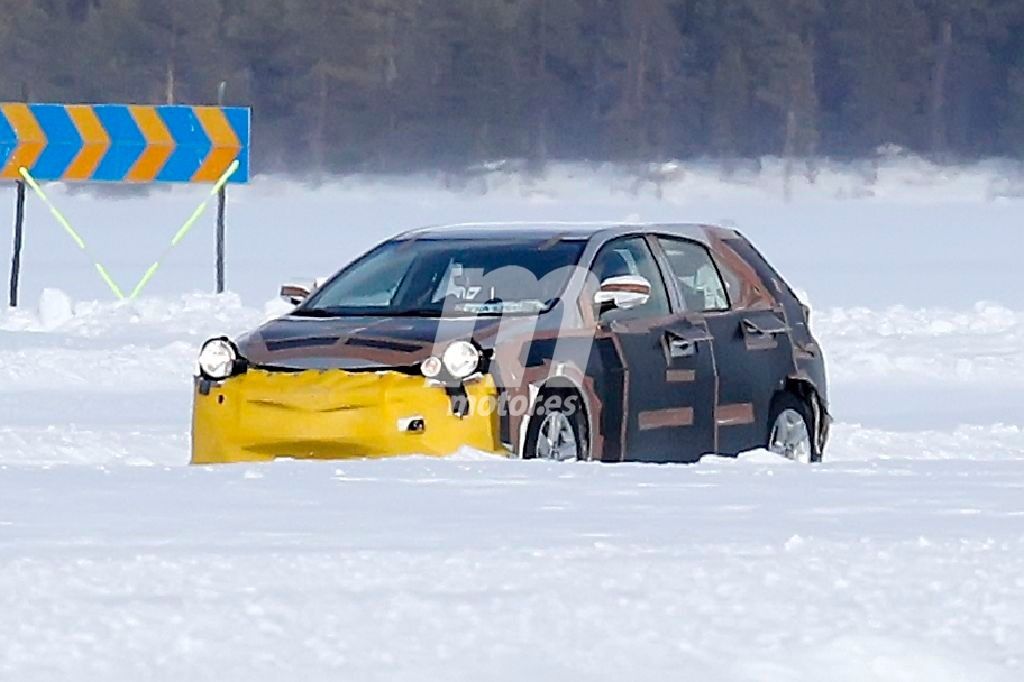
606,342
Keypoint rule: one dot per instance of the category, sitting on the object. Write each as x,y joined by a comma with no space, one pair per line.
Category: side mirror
625,292
295,293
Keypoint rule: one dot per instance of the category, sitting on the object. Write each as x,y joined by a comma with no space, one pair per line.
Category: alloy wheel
790,437
556,439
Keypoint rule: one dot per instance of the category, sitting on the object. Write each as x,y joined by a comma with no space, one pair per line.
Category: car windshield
445,277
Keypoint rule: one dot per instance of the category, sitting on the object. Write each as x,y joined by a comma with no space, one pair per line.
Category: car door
751,341
663,363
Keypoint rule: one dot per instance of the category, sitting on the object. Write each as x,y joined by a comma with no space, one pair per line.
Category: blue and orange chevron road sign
123,143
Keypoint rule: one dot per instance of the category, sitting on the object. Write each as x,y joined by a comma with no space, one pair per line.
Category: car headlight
431,367
461,359
217,359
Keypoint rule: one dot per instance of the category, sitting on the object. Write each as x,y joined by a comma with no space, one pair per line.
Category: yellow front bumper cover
334,414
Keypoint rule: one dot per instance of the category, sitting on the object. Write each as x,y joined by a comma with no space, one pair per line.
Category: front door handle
684,346
681,348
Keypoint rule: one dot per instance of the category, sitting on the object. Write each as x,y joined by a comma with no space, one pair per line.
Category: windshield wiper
415,312
351,312
314,312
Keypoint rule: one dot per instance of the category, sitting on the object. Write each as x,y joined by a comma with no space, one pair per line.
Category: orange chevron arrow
225,144
160,145
31,139
95,142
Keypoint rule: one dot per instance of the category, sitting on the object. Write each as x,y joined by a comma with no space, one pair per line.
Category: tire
789,413
557,410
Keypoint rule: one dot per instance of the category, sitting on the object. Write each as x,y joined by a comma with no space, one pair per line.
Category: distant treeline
392,85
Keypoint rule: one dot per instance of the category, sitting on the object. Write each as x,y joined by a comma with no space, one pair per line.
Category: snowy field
901,558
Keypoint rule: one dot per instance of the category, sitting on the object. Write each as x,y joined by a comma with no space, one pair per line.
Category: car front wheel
557,428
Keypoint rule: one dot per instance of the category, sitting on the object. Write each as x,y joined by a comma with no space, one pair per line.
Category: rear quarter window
765,272
745,281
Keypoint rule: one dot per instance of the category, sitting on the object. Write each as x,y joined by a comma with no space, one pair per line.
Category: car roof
562,230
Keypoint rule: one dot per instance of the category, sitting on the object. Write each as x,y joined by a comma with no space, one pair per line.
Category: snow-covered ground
900,558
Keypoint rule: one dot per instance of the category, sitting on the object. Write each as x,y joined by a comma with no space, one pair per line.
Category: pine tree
730,101
33,67
643,53
162,52
881,71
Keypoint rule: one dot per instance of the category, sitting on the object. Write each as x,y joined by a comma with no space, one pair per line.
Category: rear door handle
754,329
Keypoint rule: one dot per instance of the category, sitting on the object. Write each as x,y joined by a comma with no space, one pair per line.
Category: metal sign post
19,226
123,144
222,200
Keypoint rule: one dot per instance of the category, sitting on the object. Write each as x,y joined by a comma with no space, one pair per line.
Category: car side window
632,256
733,282
700,282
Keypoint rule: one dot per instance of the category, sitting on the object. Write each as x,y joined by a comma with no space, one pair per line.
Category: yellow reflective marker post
104,275
180,234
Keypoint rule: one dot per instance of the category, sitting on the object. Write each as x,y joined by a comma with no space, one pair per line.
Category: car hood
294,342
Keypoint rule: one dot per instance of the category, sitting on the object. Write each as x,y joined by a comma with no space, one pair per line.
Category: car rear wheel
791,430
557,429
